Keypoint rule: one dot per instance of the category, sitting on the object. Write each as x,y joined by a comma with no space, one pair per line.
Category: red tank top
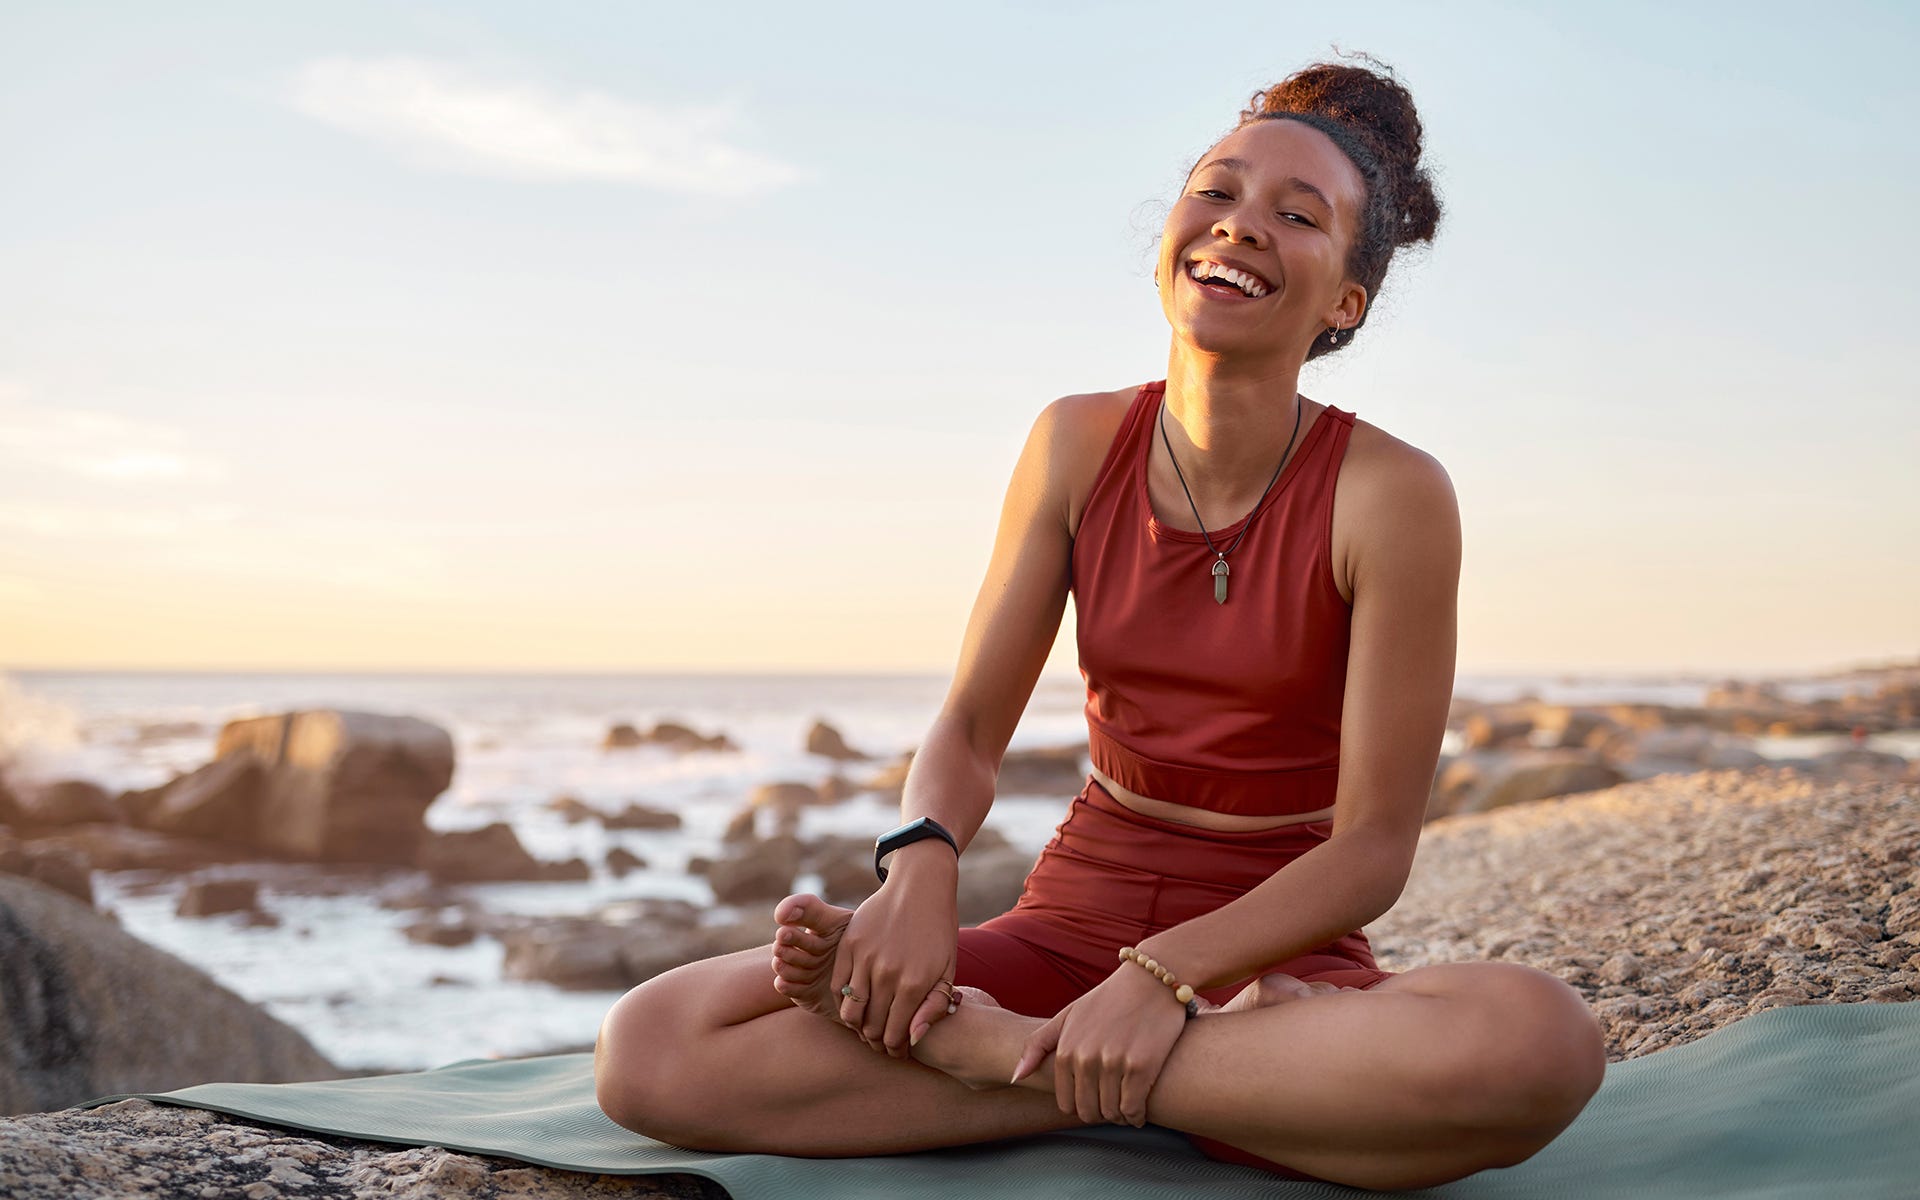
1230,707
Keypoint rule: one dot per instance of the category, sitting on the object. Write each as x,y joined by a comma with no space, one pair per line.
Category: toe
809,911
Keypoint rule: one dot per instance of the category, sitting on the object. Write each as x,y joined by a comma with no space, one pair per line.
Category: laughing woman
1266,592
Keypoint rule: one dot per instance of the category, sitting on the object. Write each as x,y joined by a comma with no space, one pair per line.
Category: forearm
1331,890
952,783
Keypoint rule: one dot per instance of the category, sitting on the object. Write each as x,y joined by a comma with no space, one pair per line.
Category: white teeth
1248,285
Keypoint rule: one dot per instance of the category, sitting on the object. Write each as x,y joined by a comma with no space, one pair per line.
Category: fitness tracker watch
913,831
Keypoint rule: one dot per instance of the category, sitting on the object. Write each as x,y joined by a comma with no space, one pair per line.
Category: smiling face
1277,200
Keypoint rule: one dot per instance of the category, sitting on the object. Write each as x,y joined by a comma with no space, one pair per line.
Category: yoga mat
1816,1101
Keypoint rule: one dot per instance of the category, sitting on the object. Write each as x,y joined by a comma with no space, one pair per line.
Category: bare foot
1269,990
803,947
979,1043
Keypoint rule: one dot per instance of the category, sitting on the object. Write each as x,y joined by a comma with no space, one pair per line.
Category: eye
1303,219
1212,192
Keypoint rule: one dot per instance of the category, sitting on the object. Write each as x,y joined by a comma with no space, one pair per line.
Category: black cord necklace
1219,568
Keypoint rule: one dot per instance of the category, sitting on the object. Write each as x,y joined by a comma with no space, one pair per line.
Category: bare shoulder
1398,499
1085,425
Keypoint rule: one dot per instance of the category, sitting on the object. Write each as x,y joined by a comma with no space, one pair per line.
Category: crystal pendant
1220,580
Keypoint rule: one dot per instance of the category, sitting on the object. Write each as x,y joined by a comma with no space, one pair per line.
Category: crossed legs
1429,1076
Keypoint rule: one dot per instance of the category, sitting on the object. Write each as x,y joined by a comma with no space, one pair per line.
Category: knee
638,1060
1538,1059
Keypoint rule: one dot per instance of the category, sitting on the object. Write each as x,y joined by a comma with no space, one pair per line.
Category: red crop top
1230,707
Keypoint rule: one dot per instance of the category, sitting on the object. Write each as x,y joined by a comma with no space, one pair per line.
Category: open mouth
1226,283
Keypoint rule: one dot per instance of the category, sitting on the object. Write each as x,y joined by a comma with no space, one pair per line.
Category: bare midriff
1186,814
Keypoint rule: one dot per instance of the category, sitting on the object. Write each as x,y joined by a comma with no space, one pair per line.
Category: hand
1108,1047
897,946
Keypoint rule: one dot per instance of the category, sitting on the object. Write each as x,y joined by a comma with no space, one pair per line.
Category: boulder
213,897
671,734
641,816
343,786
492,854
124,848
58,868
1043,771
1543,775
87,1010
61,803
991,883
620,861
826,741
757,871
220,801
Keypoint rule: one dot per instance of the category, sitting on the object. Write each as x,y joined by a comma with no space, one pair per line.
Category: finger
1111,1074
1086,1092
899,1020
854,999
932,1009
1134,1089
873,1022
1040,1043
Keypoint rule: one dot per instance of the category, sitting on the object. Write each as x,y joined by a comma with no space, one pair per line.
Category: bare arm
1015,619
1400,666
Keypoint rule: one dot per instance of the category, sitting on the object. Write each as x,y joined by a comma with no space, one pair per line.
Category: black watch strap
913,831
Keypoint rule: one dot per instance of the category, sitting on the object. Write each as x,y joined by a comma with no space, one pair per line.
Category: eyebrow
1292,181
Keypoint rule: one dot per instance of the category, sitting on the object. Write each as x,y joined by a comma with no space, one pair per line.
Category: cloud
96,445
444,116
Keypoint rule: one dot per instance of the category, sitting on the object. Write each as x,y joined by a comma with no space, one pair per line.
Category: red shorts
1111,877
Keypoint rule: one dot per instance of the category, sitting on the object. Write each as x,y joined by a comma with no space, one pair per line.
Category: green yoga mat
1817,1101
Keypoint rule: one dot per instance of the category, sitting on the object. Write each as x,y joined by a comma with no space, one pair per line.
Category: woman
1265,589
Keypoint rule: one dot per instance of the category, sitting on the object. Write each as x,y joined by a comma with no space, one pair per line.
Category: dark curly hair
1370,116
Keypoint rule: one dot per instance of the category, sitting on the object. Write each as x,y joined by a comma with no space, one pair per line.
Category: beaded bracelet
1181,991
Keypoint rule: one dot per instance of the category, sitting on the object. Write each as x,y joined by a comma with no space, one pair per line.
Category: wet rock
641,816
492,854
221,801
1042,771
621,861
671,734
990,883
757,871
60,804
58,868
342,785
823,739
124,848
78,997
212,897
441,930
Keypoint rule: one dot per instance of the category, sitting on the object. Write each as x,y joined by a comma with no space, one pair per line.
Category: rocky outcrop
1681,903
342,786
671,734
136,1148
87,1010
826,741
492,854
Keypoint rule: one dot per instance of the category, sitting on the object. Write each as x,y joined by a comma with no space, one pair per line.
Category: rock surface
1678,904
87,1010
136,1148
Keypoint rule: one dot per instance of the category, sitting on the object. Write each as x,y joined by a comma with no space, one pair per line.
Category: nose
1235,228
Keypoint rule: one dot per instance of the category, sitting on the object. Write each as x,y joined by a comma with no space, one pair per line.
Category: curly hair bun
1377,108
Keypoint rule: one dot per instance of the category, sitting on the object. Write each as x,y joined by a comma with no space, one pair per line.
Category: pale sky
631,336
